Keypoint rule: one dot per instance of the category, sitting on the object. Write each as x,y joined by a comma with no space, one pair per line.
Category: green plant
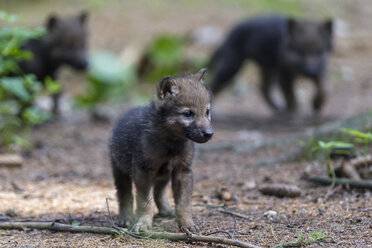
327,147
166,55
17,93
360,137
108,78
314,237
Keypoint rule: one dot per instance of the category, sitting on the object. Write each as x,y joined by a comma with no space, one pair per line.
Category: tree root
120,231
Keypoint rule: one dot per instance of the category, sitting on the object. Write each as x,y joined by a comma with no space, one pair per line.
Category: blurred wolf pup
284,49
153,145
63,44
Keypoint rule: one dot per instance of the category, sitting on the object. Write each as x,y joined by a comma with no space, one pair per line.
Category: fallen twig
11,160
234,214
219,231
109,230
365,184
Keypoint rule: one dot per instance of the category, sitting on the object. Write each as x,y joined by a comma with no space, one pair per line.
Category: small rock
270,213
224,194
235,197
249,185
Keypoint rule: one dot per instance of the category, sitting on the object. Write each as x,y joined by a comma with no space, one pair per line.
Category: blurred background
132,44
157,38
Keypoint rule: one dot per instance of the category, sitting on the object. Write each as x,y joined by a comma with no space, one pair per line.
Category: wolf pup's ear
83,16
166,86
51,22
201,75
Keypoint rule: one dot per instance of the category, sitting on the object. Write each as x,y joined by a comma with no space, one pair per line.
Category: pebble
270,213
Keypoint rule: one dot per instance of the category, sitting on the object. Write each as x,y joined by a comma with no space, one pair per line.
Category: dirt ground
67,177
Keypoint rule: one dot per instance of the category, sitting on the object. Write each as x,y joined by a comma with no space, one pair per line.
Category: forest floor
67,177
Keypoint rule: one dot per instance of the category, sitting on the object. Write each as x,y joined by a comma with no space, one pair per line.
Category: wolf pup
65,43
155,144
284,49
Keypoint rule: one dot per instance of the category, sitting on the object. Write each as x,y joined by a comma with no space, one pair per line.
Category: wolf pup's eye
207,112
188,113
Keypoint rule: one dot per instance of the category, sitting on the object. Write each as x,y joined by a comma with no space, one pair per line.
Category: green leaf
75,223
9,107
7,17
52,86
107,68
32,84
361,136
108,78
35,116
21,141
334,144
166,51
15,86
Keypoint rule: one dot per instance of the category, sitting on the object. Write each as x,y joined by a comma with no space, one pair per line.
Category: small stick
365,184
234,214
234,230
219,231
11,160
331,191
109,213
108,230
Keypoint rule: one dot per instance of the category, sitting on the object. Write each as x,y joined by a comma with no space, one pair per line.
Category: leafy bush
108,78
17,93
166,55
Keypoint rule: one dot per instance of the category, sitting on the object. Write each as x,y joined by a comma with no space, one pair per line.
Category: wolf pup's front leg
182,185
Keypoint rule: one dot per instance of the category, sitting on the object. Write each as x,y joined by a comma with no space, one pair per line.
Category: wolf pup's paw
188,226
124,222
142,225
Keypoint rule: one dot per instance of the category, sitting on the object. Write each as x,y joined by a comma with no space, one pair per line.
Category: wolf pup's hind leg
123,183
143,180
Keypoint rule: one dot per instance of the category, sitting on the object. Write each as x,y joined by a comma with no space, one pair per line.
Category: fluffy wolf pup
284,49
153,145
65,43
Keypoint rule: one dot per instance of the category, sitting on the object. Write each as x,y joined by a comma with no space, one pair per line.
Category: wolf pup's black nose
208,133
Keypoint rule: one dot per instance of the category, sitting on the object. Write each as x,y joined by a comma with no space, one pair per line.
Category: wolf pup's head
67,40
184,104
309,43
